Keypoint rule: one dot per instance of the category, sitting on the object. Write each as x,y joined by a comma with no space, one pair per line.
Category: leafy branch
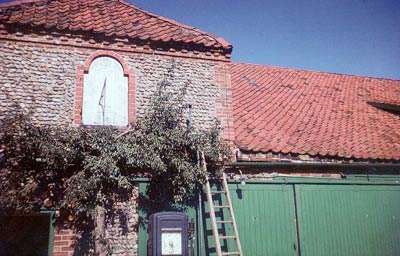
84,171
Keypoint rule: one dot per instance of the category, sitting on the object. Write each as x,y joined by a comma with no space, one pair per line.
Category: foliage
171,147
84,169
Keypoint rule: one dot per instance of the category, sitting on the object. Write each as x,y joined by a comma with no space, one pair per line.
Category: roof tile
108,17
283,110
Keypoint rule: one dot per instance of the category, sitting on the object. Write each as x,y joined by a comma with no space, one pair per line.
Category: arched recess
102,96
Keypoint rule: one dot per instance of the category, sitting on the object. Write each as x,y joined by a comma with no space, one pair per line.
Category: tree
83,171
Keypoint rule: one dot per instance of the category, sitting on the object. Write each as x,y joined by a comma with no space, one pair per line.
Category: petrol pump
169,234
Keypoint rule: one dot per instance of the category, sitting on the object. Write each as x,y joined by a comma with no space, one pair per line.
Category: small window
105,93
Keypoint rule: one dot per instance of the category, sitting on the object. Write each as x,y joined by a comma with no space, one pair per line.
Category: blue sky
360,37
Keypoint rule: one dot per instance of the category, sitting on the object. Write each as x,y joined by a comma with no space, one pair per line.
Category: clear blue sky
359,37
343,36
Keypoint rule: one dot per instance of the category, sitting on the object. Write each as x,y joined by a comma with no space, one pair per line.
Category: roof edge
19,2
220,44
249,154
225,44
314,71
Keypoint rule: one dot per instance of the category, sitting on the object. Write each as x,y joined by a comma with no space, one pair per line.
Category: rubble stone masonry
42,78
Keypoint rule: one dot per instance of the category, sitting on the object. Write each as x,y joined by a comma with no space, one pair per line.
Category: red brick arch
84,69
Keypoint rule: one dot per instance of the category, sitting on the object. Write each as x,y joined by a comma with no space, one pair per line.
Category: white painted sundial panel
105,94
171,243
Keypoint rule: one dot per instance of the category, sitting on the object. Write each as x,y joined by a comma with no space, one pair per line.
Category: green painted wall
334,217
349,220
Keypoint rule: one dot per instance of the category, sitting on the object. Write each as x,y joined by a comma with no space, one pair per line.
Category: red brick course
63,242
54,39
223,105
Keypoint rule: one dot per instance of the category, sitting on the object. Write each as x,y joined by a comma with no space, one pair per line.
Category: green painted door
265,217
342,220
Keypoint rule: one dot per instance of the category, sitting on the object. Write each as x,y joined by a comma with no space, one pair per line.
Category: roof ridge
173,33
20,2
223,42
316,71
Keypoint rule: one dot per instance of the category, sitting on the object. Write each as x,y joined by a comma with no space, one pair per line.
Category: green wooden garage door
333,219
265,217
349,220
28,235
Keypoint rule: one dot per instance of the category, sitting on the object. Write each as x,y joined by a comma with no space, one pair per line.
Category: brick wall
121,230
224,109
63,242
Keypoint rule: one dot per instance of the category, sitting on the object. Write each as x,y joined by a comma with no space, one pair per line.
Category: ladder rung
221,206
230,253
224,221
218,192
221,189
227,237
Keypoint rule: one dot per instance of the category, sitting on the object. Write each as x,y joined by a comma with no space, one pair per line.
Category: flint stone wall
42,79
122,228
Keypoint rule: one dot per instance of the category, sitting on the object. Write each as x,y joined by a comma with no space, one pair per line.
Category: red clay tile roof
108,17
281,110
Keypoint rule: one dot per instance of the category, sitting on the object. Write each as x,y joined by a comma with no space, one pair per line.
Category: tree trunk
100,232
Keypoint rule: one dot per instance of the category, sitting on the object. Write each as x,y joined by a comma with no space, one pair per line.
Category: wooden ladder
214,223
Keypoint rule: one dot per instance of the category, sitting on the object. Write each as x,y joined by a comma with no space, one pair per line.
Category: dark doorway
24,235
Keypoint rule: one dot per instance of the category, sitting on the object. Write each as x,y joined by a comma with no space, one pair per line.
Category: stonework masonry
121,231
42,78
122,228
38,79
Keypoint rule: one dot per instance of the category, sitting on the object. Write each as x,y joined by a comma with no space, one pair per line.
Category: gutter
314,164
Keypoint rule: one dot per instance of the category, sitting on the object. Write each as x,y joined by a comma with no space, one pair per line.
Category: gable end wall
42,79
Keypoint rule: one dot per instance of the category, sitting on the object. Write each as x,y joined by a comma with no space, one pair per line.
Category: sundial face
105,94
